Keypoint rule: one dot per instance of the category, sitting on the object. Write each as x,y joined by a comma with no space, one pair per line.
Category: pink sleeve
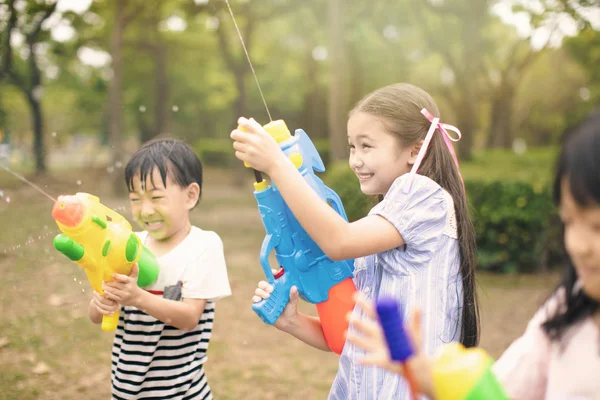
523,368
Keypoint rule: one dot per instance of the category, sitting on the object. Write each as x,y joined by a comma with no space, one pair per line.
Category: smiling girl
416,245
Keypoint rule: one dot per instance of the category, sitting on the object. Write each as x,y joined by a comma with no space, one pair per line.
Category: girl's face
582,239
162,210
377,156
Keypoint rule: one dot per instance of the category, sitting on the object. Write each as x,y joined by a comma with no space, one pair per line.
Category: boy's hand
256,146
372,341
124,289
104,305
290,312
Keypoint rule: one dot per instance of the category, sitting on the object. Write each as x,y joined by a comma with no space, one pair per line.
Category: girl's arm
338,238
303,327
307,329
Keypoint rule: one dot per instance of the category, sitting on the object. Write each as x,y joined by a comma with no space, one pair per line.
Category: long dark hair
578,163
399,108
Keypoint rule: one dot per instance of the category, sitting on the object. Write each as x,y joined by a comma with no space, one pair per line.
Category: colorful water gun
390,318
101,241
458,373
319,280
465,374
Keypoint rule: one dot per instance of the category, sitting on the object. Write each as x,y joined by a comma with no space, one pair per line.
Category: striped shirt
422,274
154,360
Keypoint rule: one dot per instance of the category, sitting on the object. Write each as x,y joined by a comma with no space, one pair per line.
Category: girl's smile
376,156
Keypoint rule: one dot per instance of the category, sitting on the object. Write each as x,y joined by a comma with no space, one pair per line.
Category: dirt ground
49,349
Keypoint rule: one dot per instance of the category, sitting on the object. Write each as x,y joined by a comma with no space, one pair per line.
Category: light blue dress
422,274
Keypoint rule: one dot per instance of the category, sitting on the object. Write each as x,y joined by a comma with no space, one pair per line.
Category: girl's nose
355,162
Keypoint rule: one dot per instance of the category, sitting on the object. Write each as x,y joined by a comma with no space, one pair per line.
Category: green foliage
342,180
511,222
510,202
215,152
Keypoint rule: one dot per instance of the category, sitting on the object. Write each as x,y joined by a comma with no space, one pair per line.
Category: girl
163,333
558,356
417,244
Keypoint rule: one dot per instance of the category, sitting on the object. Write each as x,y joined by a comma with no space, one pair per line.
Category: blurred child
416,245
558,356
163,332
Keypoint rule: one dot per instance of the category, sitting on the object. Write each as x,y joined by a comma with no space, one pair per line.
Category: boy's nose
147,208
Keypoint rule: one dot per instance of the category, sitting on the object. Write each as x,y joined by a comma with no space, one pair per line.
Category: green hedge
215,152
510,217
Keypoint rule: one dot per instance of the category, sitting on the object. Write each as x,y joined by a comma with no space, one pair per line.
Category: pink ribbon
444,128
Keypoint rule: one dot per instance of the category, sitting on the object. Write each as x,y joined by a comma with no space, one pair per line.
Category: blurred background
83,83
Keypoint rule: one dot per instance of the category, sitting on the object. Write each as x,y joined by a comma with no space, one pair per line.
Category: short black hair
171,156
579,165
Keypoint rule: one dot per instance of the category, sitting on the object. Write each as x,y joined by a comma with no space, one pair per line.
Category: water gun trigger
312,159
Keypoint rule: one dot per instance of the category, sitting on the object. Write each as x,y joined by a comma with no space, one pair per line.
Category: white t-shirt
198,262
151,359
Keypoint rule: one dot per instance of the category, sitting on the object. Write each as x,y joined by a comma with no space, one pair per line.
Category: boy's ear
193,194
414,152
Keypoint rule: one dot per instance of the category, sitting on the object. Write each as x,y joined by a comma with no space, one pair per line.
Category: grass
49,350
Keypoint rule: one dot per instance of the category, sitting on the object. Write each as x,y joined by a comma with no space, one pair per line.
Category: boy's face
162,210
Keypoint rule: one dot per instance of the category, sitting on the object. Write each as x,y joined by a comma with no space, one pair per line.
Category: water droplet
175,108
110,169
79,182
1,193
53,134
118,164
82,290
74,279
8,199
40,237
142,109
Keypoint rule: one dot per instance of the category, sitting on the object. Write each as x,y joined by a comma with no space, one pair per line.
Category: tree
24,71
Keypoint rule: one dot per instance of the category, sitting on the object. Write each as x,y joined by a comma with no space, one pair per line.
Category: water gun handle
110,322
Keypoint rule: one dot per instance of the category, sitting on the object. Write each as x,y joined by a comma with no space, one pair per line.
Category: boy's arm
93,313
182,315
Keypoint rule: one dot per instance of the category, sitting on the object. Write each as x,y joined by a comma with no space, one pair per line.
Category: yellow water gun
102,242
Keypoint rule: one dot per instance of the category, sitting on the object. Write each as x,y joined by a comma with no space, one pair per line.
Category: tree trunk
162,90
34,96
115,97
337,92
38,133
467,123
500,134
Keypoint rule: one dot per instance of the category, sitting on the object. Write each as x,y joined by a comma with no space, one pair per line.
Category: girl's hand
124,289
103,305
255,146
372,341
290,312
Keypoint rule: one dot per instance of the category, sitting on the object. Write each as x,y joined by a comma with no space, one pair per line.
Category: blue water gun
319,280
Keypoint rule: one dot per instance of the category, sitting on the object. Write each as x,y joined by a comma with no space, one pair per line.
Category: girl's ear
414,152
193,194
